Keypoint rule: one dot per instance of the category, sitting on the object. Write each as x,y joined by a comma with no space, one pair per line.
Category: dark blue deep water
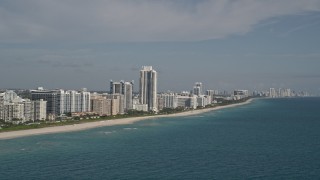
267,139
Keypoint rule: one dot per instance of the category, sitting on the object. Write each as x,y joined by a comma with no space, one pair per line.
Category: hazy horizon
224,44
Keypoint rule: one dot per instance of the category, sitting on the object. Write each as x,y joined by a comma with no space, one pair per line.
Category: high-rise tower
148,87
125,89
115,87
198,89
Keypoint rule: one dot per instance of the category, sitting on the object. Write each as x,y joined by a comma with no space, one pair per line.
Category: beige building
115,106
107,104
101,106
117,103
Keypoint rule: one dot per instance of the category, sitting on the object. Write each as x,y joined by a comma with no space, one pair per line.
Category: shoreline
102,123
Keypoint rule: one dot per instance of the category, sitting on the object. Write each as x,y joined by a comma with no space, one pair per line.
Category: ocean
267,139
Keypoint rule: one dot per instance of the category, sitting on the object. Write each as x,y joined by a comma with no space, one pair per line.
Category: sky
225,44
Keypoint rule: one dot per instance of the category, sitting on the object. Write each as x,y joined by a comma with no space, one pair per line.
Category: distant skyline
225,44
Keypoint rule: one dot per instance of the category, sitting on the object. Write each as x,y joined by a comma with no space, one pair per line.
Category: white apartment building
272,93
15,109
13,112
60,102
169,100
39,110
187,101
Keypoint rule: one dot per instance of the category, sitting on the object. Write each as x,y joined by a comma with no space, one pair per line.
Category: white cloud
138,20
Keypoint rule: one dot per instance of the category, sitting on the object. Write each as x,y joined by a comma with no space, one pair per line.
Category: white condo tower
148,87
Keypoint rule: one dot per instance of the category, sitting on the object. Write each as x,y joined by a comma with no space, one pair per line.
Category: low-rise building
240,94
187,101
141,107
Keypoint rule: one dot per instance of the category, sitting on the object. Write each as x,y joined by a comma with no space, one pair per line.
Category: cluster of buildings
240,94
121,99
61,102
281,92
191,100
118,101
52,104
15,109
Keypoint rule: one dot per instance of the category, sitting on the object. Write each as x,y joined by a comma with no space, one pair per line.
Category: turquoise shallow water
267,139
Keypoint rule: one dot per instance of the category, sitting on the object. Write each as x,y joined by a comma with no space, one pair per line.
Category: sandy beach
90,125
